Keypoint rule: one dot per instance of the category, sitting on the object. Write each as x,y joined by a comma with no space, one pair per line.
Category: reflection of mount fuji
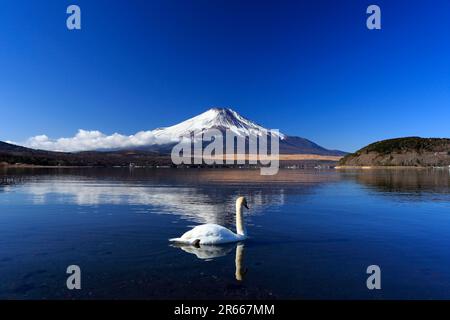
201,196
187,202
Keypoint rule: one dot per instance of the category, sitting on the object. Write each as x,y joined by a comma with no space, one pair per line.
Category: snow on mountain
162,139
228,119
215,118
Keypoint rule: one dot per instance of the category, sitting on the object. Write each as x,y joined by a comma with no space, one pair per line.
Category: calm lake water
312,233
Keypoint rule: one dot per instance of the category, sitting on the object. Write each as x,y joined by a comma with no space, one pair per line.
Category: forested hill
409,151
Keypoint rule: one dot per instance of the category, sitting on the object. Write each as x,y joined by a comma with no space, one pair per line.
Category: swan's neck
240,228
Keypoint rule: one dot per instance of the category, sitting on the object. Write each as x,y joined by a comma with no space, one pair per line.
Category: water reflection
194,203
410,184
201,196
206,252
116,223
239,260
209,252
206,196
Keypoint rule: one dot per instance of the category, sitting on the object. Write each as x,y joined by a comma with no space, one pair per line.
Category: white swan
213,233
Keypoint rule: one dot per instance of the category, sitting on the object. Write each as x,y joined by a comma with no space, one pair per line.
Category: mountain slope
297,145
12,147
409,151
227,119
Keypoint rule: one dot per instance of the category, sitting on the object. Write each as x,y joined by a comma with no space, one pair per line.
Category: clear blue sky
309,68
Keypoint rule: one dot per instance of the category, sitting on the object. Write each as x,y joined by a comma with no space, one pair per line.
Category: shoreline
284,160
33,166
387,167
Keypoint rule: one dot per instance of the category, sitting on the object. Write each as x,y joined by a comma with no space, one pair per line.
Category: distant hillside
410,151
298,145
16,155
12,154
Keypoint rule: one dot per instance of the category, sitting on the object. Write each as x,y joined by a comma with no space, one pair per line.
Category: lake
312,233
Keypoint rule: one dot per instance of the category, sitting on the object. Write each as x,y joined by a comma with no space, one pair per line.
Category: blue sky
308,68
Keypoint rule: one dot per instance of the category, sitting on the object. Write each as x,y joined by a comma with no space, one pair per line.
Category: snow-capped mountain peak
162,139
214,118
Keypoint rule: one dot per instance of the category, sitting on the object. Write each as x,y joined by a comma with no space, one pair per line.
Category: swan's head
241,201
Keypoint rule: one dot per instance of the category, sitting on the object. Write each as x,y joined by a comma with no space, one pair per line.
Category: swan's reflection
239,260
209,252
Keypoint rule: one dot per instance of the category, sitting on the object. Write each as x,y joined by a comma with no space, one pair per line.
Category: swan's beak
245,205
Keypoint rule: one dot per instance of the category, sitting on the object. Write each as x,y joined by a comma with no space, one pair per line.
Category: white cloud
86,140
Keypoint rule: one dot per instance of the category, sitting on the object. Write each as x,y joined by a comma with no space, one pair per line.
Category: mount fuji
215,118
151,148
223,119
